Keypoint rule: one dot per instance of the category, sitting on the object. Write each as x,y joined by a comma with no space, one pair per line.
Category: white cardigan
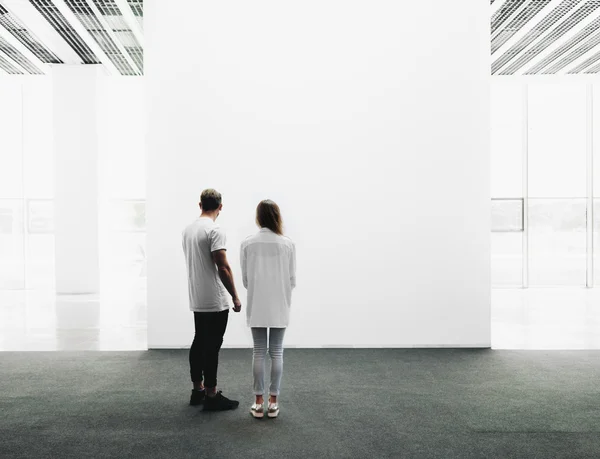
269,274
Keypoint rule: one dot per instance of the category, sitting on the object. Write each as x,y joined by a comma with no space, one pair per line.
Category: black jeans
204,353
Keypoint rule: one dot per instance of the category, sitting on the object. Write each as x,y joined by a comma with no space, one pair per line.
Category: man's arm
225,273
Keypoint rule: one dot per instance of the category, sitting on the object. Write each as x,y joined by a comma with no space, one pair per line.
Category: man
209,280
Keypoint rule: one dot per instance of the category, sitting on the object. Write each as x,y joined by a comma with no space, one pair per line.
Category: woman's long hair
268,215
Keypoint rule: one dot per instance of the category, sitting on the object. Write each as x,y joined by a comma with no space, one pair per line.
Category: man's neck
211,215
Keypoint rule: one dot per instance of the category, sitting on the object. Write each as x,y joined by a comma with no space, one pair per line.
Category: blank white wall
368,122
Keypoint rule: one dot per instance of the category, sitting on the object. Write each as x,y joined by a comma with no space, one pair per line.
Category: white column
76,177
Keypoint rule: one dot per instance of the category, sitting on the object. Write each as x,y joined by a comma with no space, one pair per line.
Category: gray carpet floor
335,403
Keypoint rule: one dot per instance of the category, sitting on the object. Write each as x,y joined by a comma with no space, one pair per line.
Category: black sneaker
219,403
197,397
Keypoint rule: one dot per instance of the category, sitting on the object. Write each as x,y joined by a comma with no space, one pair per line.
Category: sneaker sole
257,415
273,415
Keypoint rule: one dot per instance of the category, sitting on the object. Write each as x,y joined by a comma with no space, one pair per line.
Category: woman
269,274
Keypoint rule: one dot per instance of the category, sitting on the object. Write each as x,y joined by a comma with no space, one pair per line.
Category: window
127,215
12,256
26,224
125,257
553,226
39,247
507,242
507,215
507,102
557,242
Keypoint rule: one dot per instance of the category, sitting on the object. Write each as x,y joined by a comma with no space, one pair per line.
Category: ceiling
35,34
527,36
536,37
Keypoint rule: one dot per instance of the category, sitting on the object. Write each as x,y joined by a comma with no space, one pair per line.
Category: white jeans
259,336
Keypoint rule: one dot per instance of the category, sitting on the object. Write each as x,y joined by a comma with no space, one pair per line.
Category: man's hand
237,305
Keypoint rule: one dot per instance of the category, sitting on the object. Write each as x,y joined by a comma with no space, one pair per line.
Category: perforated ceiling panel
53,15
122,31
504,12
534,33
526,36
82,10
595,68
547,38
566,25
20,32
8,67
583,67
11,52
137,6
526,14
571,44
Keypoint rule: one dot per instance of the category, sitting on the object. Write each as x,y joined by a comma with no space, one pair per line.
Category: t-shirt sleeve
217,239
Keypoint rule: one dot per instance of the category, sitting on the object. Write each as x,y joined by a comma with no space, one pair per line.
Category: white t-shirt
269,273
207,292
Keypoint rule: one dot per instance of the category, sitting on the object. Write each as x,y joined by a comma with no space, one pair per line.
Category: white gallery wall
368,122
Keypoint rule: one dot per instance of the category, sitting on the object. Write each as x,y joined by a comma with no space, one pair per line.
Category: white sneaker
257,411
273,410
